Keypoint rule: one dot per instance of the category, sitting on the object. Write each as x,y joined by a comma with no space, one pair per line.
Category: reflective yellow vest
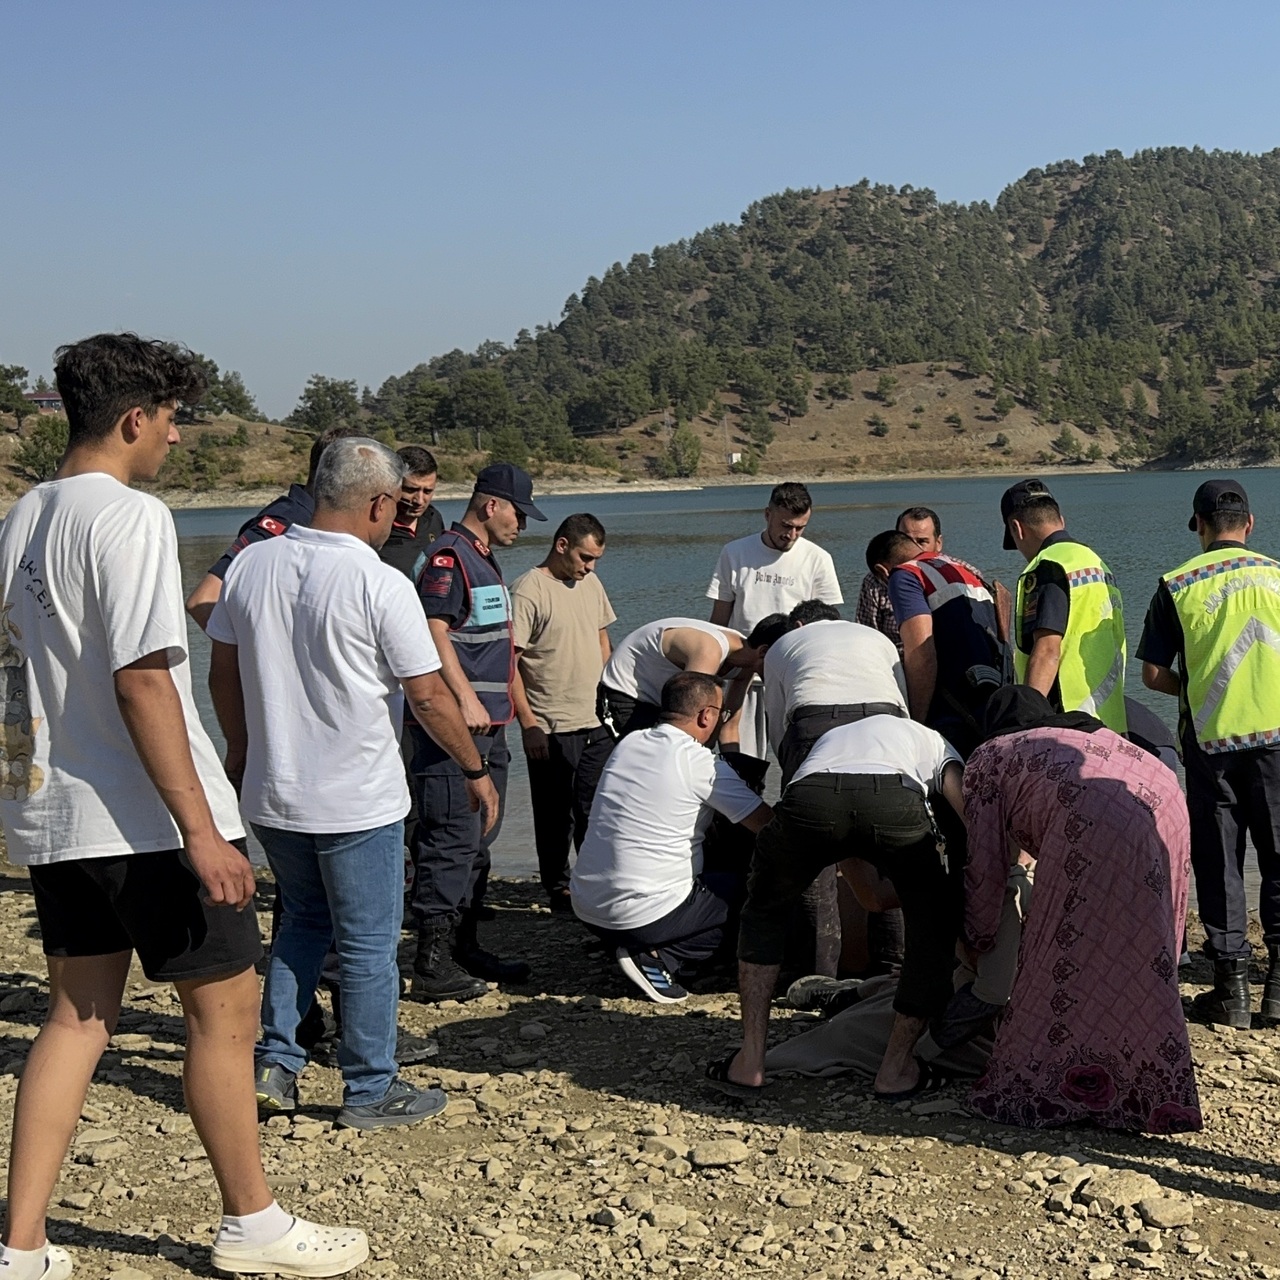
1228,602
1091,670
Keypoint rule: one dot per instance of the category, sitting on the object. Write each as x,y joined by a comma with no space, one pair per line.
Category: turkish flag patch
273,526
442,561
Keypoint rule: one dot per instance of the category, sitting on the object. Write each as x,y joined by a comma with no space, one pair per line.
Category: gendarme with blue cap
509,482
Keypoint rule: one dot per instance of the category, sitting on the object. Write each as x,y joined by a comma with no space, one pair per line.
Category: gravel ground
581,1142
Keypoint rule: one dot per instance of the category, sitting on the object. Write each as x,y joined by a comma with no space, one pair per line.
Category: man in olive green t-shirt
560,625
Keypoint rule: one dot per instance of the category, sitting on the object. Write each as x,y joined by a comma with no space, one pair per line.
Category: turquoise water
662,548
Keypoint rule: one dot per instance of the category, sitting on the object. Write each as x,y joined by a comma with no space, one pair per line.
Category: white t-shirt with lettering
325,633
644,841
761,581
90,583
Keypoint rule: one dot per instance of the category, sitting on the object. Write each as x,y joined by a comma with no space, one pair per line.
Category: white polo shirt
325,633
826,664
644,841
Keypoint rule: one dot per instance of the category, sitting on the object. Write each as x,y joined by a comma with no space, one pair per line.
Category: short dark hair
792,497
578,528
813,611
322,442
921,513
101,378
686,693
1220,522
885,546
769,630
418,461
1038,512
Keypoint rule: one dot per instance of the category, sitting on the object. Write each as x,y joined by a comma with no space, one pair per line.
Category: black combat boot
1271,988
468,952
1227,1005
436,975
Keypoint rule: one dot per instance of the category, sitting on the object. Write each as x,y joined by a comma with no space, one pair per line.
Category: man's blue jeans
346,889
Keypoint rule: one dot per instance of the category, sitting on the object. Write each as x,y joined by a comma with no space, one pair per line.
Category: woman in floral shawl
1094,1029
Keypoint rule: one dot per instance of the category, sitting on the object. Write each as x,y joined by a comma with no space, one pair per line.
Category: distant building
45,401
734,459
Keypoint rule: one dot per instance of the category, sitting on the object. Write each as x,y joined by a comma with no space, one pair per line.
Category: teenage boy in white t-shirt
111,792
767,573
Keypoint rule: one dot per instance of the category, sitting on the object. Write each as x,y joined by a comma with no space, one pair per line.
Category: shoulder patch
443,560
273,526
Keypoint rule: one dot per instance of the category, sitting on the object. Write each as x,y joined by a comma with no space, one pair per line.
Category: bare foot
898,1077
740,1073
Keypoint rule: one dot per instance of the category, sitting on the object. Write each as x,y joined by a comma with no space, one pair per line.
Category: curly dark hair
101,378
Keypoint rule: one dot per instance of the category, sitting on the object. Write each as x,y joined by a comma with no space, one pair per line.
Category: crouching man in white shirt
635,883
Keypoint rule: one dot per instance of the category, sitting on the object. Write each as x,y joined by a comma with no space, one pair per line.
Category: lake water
662,548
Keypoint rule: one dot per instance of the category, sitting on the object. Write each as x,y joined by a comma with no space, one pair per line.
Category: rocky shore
580,1141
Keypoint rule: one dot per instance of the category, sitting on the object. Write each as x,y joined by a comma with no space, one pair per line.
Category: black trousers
1228,795
559,811
827,817
450,856
688,933
816,940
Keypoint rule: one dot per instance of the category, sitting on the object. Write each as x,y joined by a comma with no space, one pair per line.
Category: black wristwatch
474,775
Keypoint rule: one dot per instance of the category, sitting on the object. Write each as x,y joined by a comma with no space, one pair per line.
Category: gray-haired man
326,793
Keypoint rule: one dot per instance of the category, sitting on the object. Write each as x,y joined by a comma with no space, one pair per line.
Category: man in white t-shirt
631,686
314,744
824,673
865,786
766,573
636,881
111,793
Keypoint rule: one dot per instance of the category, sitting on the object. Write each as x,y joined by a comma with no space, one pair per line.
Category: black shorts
151,903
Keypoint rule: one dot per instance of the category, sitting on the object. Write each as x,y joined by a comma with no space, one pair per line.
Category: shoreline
212,499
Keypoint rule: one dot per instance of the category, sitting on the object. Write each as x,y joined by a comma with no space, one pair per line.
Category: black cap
1019,495
1218,495
503,480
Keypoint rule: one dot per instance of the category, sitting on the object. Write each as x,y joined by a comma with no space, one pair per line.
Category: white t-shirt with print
644,841
761,581
90,583
325,633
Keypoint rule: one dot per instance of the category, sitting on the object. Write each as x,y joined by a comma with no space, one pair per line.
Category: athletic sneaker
647,972
277,1088
819,994
403,1104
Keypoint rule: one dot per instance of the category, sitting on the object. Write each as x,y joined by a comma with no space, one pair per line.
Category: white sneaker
306,1249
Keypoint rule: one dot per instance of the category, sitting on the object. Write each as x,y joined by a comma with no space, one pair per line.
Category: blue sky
295,188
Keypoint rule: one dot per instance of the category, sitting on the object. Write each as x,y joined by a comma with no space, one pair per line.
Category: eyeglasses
722,713
392,496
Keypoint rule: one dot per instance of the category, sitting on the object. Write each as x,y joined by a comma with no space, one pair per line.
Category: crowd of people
977,862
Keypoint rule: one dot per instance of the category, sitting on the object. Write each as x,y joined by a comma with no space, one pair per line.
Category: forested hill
1132,293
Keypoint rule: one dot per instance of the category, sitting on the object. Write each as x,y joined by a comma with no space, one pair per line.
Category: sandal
304,1250
931,1077
718,1078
